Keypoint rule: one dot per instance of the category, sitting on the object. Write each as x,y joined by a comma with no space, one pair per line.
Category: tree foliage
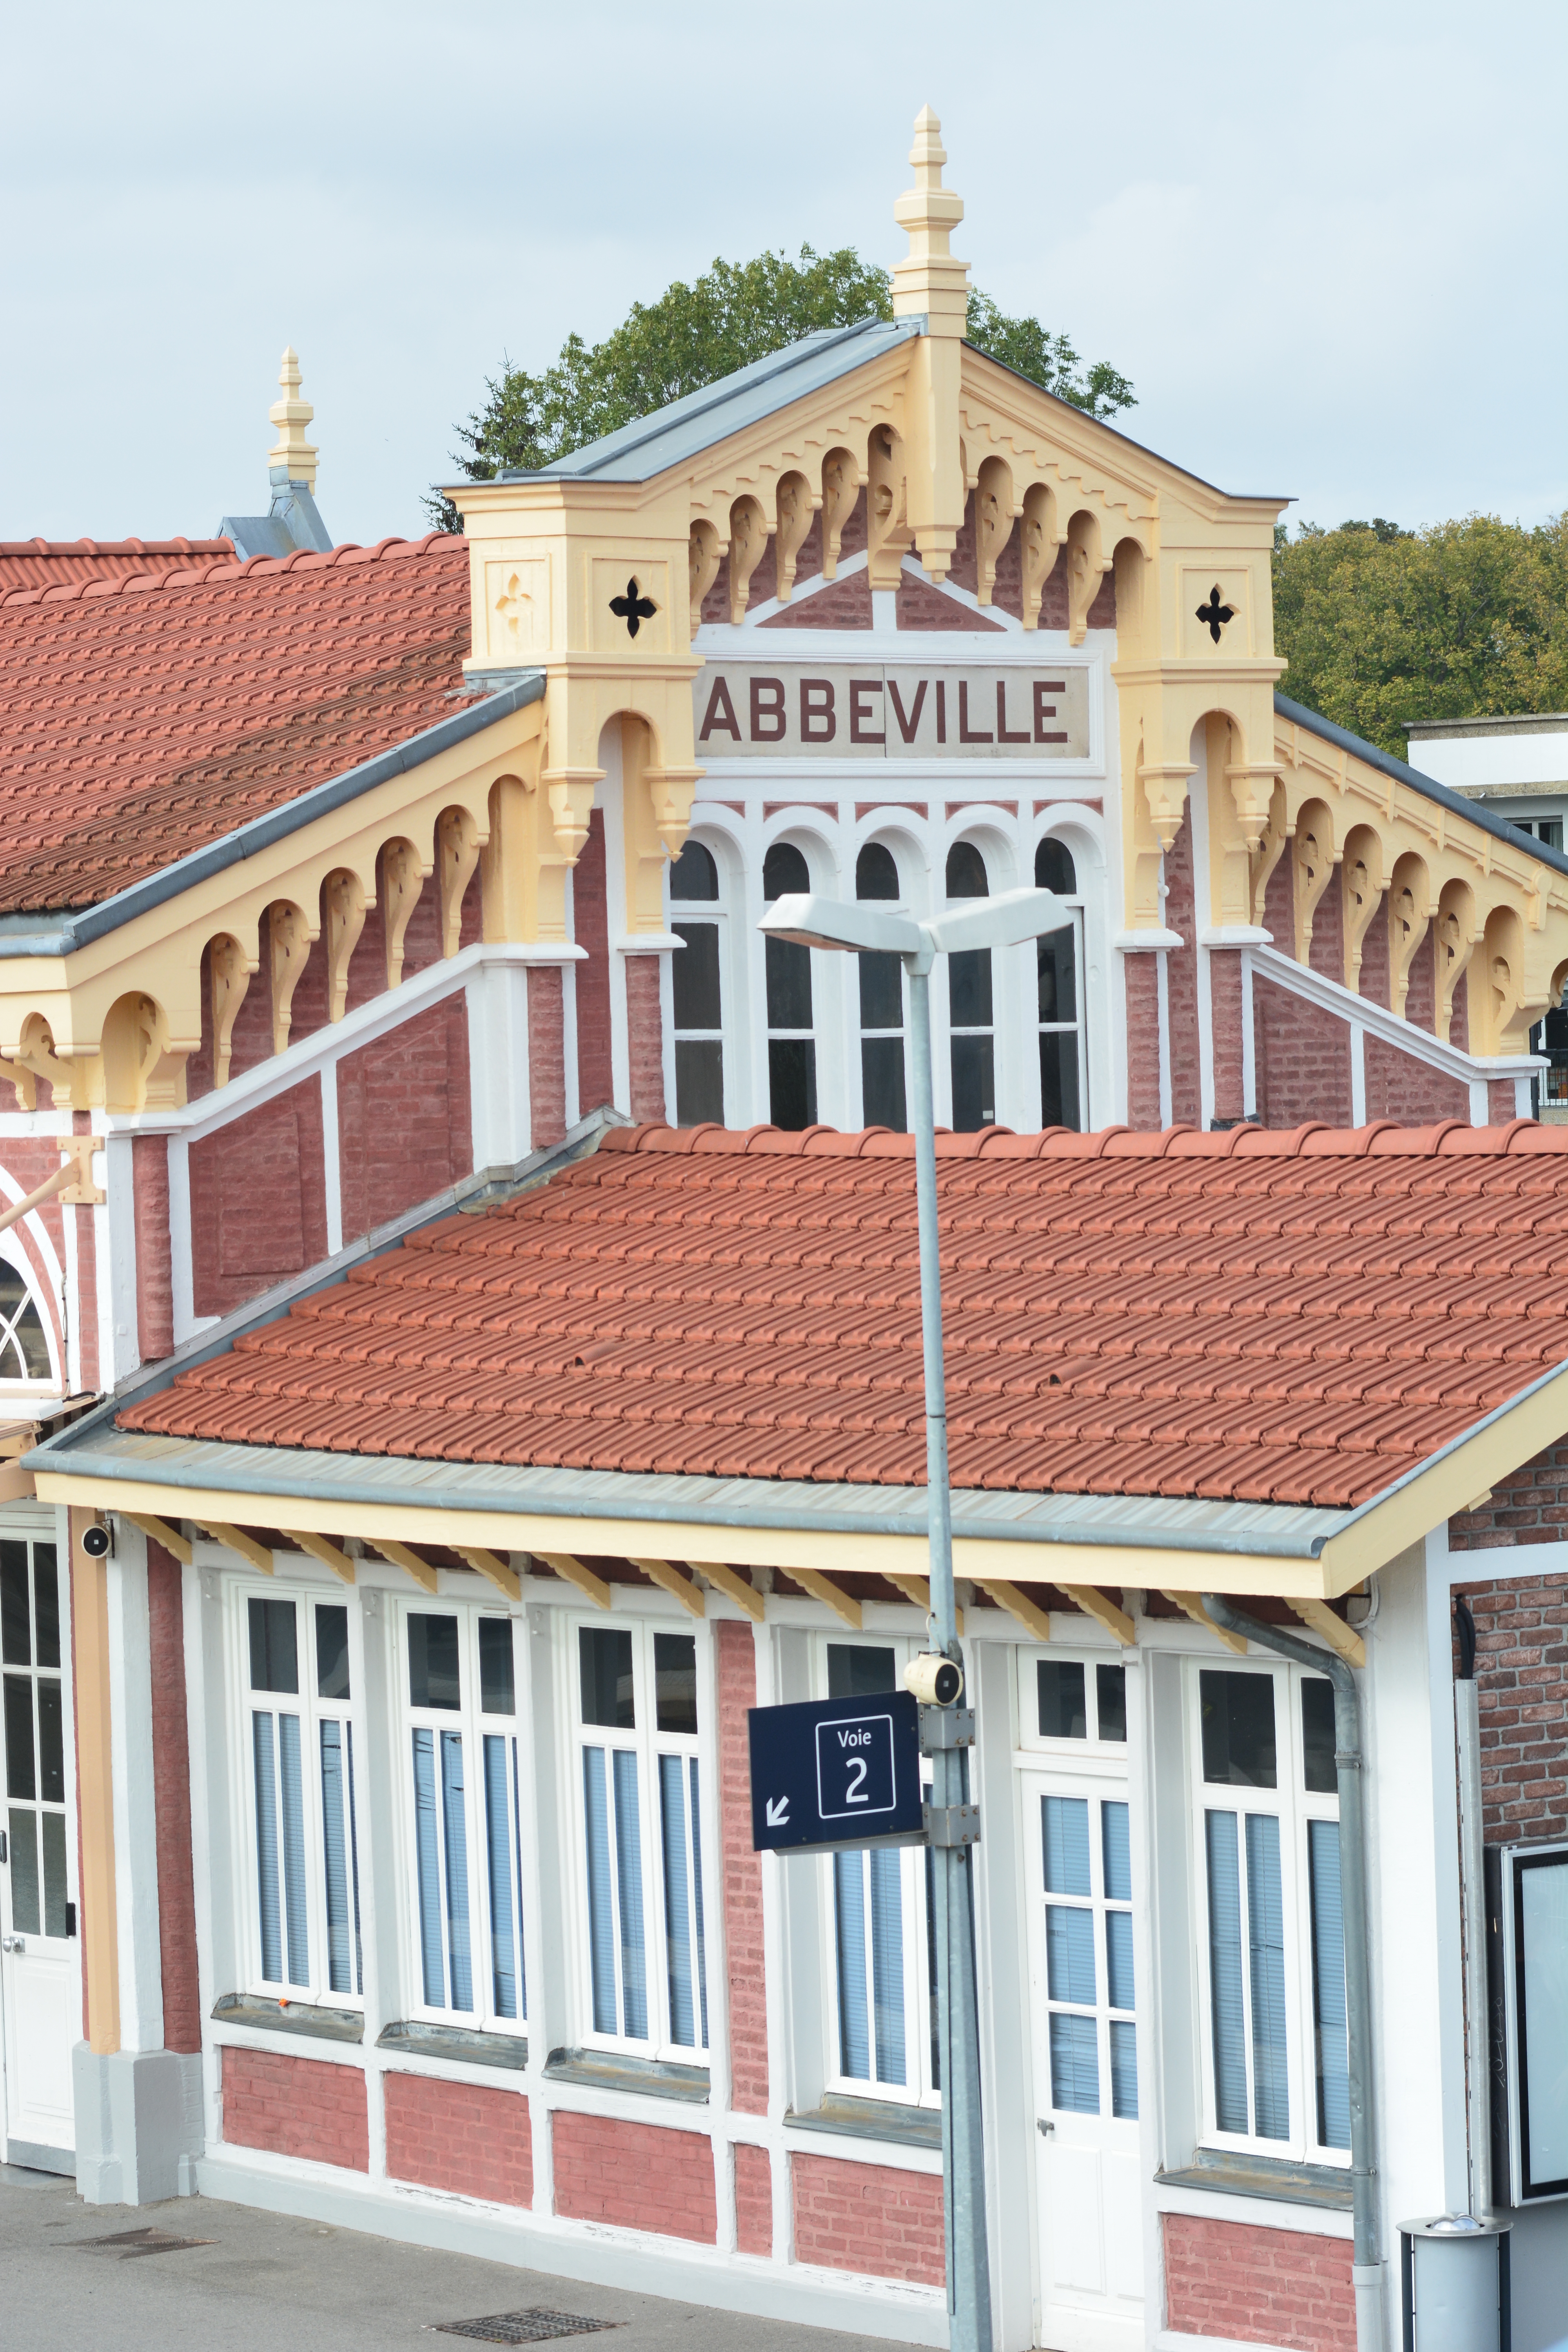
1462,620
740,311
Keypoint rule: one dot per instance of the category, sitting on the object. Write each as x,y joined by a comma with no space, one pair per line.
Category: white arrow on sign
778,1812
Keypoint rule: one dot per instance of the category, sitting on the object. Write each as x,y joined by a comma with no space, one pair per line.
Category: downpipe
1473,1911
1366,2262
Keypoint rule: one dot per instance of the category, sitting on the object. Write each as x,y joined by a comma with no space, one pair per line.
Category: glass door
39,1978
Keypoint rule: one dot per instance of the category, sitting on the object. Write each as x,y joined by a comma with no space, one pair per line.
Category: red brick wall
1280,906
1226,1030
1303,1059
1501,1102
753,2200
869,2218
1327,953
1521,1650
635,2174
1373,978
1182,979
1420,985
154,1264
644,1037
737,1668
1399,1086
86,1273
546,1056
172,1803
1143,977
404,1130
452,2136
258,1201
1257,2285
296,2107
591,930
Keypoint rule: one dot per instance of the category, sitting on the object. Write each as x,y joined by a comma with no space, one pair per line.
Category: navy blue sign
835,1772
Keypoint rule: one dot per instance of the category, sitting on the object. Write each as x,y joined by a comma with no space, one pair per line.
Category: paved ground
270,2284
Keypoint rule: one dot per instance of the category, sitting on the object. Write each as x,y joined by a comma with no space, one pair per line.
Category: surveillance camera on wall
936,1680
97,1541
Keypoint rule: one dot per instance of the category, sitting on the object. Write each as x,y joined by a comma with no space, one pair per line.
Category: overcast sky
1325,241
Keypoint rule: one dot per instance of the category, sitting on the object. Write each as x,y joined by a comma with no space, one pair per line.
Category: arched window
24,1345
881,1003
1059,997
791,1047
969,1003
697,991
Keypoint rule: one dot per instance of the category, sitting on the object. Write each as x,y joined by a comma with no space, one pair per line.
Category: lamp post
815,921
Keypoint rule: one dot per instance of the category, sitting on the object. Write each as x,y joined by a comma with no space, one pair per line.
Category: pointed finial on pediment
291,458
930,281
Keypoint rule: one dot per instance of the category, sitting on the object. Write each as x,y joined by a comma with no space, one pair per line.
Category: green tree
740,311
1462,620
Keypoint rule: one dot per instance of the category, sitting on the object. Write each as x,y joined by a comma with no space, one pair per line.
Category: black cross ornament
1213,614
633,610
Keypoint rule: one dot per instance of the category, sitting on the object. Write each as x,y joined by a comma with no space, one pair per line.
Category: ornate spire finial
291,458
929,282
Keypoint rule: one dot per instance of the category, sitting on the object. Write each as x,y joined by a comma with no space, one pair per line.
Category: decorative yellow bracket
237,1540
71,1183
179,1547
1193,1605
400,1556
822,1588
593,1588
1340,1637
1094,1604
670,1580
741,1590
327,1553
503,1577
1029,1615
917,1589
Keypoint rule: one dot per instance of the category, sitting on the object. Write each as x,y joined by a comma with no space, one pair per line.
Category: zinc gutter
259,832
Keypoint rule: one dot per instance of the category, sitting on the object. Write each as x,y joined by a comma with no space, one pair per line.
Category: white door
40,1983
1084,2032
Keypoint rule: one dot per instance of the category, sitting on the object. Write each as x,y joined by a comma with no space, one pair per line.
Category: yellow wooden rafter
741,1588
327,1553
411,1564
1103,1610
822,1588
159,1531
1340,1638
237,1540
1029,1615
592,1587
1191,1603
670,1578
497,1571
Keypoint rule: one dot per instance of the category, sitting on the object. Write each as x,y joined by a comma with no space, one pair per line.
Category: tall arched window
696,991
881,1005
24,1345
970,1014
1059,997
791,1047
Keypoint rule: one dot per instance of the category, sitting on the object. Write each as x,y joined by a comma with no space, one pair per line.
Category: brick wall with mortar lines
1249,2285
455,2136
591,930
1142,981
635,2176
1225,1025
296,2107
869,2218
1521,1681
753,2200
546,1055
1182,979
644,1036
736,1664
259,1200
1302,1059
172,1803
405,1119
154,1250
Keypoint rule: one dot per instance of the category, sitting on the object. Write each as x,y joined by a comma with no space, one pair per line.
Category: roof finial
291,458
929,282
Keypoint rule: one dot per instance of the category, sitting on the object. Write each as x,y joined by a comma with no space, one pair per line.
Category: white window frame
1068,1754
718,912
648,1746
1293,1807
13,1257
1079,1028
313,1711
472,1726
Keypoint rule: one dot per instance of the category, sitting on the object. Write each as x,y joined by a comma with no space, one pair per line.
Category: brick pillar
1182,979
644,1038
1501,1102
172,1802
753,2200
154,1260
87,1277
1224,1026
737,1664
546,1055
591,930
1143,1039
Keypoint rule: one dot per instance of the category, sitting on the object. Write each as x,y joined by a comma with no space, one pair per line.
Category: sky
1325,241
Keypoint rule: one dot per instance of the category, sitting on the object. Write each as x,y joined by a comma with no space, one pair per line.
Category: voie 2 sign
892,711
834,1773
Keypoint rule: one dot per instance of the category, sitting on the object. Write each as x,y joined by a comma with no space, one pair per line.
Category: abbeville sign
897,712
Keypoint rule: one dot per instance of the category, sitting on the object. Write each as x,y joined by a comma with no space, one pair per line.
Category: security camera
936,1680
96,1542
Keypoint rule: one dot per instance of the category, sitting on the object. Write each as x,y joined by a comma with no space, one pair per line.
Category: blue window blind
291,1790
1329,1985
1119,1960
1066,1830
427,1862
339,1863
601,1899
868,1908
854,2010
271,1920
1069,1954
1123,2069
504,1938
888,1963
517,1849
455,1825
696,1894
1116,1852
1266,1955
1226,1998
681,1841
628,1893
1075,2065
282,1892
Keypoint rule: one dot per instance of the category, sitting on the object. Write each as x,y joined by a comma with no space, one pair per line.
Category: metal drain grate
525,2326
128,2243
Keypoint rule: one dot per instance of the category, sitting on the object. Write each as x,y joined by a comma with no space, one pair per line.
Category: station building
468,1276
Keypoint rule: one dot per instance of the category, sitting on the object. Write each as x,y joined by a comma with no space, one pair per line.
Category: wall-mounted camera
936,1680
97,1541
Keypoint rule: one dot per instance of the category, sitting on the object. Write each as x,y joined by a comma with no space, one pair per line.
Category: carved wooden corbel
1039,547
748,540
995,515
402,880
1457,933
705,552
1409,918
840,489
1087,567
342,916
797,504
1269,848
288,936
1497,1016
23,1080
35,1052
1165,796
1361,884
459,841
887,535
1311,865
230,969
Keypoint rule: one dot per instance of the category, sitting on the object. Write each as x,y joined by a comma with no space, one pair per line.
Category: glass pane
454,1822
699,1082
46,1604
331,1652
1069,1955
1123,2069
433,1672
677,1902
51,1749
335,1860
788,969
969,988
24,1846
1237,1712
498,1693
966,872
1266,1951
497,1855
601,1906
932,2009
693,876
15,1639
1317,1742
426,1847
53,1829
1118,1985
849,1936
1058,1079
694,977
605,1662
269,1904
353,1863
1329,1985
628,1894
1055,976
876,873
34,1346
792,1081
1226,1997
1110,1698
1075,2065
973,1084
888,1963
854,1669
1059,1687
881,991
274,1647
1544,1964
20,1781
1065,1824
784,870
517,1849
1115,1851
292,1791
882,1097
696,1895
675,1681
1054,869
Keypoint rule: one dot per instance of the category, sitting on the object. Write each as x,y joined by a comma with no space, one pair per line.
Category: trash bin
1454,2278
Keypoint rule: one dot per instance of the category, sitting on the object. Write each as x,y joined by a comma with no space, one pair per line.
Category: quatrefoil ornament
632,609
1213,614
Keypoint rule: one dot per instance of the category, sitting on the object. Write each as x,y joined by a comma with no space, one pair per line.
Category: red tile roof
142,718
49,562
1283,1318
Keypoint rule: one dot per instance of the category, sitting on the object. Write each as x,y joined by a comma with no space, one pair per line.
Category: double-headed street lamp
813,921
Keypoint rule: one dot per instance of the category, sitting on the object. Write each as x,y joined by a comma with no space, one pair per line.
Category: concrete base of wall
137,2124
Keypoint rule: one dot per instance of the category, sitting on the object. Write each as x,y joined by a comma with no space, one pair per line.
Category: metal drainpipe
1473,1900
1367,2264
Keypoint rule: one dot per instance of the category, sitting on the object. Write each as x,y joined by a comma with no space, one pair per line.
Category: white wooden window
1058,989
699,985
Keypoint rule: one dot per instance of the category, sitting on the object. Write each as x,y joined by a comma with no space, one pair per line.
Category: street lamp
814,921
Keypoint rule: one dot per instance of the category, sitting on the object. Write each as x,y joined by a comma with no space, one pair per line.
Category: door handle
1046,2129
13,1943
